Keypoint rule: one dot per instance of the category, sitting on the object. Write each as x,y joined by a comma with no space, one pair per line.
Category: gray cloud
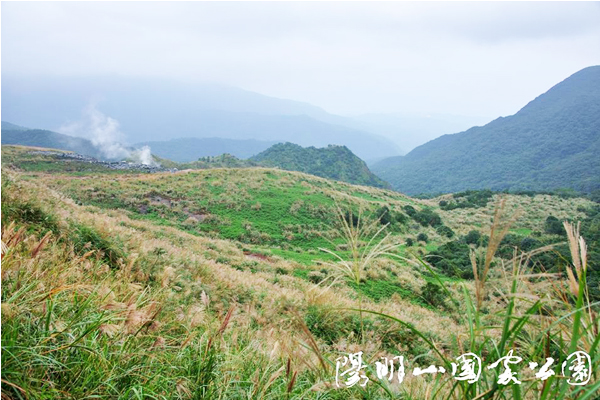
461,58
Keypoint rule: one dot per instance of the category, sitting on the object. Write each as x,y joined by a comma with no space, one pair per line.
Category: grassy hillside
551,143
333,162
211,284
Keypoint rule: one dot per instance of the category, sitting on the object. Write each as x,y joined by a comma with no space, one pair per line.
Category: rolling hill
332,162
553,142
214,282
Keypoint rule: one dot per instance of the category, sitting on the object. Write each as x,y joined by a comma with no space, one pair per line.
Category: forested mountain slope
552,142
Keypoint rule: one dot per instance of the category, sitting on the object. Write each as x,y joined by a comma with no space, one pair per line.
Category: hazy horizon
466,59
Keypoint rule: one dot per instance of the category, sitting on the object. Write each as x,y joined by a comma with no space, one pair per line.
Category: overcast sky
482,59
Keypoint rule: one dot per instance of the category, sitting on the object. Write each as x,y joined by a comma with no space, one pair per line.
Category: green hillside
233,283
553,142
333,162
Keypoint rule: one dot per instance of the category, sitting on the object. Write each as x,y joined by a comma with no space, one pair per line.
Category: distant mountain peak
552,142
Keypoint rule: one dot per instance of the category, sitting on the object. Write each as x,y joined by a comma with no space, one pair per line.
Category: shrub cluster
387,216
468,199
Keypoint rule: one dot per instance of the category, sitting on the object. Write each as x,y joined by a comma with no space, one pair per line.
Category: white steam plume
144,156
102,130
105,134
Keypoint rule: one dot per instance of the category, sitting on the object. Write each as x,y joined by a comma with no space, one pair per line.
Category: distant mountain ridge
413,130
179,150
332,162
7,126
553,142
159,110
13,134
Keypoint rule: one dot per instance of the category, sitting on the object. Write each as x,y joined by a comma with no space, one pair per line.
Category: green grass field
212,284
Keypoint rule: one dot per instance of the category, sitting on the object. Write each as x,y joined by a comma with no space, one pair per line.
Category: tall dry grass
537,316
